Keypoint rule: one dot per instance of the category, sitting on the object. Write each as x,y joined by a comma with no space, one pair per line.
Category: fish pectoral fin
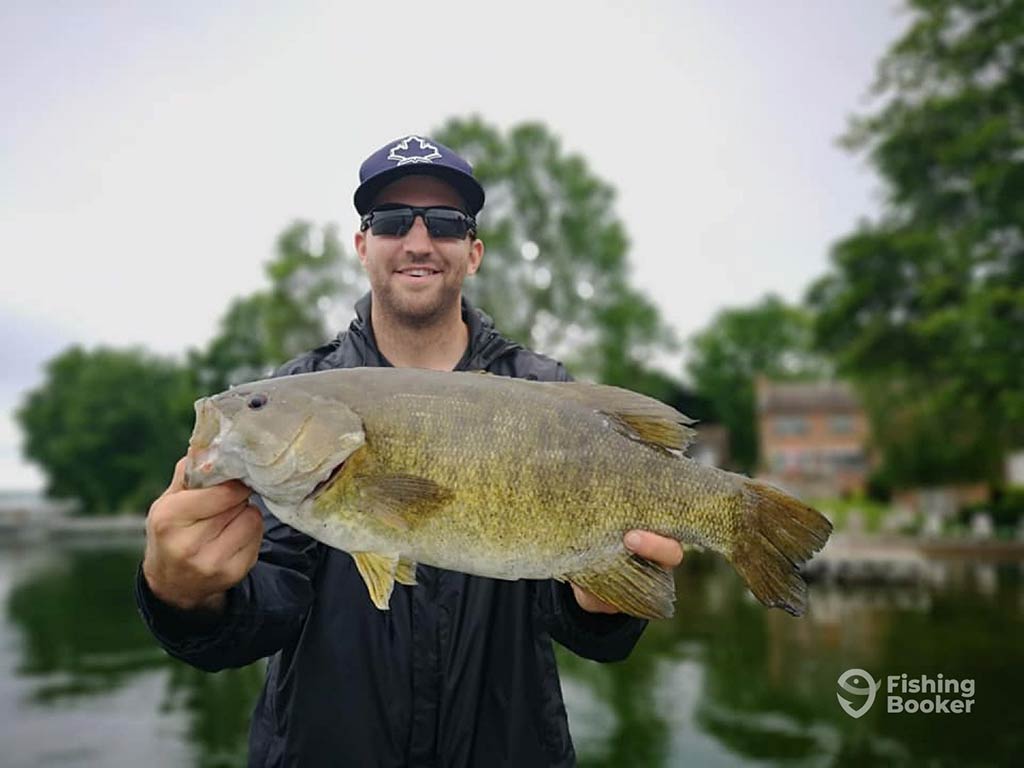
636,416
378,572
401,500
633,585
405,572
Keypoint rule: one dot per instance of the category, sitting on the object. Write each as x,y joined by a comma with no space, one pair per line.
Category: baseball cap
416,155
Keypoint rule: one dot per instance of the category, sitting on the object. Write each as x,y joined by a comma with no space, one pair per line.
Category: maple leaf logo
428,152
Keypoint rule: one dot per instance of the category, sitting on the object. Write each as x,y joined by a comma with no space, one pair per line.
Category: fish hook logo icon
848,681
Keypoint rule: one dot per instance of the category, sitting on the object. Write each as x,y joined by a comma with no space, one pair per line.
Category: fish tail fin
778,533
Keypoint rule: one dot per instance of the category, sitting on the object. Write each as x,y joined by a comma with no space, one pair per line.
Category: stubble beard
418,315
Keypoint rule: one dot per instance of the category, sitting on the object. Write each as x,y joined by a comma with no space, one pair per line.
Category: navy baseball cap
416,155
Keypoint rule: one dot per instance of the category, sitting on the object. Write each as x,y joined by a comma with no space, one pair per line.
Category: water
724,683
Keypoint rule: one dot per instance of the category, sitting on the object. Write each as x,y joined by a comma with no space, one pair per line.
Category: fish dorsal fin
636,416
401,500
378,572
632,584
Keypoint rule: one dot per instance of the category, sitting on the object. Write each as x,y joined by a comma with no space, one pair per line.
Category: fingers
245,530
235,550
188,507
212,527
667,553
206,503
590,602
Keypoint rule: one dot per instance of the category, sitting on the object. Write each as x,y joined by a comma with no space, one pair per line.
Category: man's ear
360,243
476,255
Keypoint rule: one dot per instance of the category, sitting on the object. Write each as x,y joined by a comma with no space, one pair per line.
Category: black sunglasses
440,221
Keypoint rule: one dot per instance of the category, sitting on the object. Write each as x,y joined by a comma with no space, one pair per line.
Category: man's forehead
420,190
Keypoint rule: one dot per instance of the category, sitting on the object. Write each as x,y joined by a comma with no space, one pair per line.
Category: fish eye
257,401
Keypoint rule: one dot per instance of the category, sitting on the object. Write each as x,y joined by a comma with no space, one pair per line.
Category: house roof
806,397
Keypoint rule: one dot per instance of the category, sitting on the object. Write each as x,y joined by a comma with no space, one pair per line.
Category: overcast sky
151,152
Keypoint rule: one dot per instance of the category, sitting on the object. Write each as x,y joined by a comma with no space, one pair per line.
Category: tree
926,304
107,426
555,274
310,275
769,339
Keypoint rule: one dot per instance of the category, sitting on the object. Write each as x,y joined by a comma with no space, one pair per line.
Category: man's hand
667,553
200,542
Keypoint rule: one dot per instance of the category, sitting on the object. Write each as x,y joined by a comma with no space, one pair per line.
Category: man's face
416,278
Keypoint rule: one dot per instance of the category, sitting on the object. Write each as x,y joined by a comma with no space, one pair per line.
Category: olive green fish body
517,479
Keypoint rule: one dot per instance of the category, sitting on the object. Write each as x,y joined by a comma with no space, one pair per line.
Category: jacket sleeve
262,612
595,636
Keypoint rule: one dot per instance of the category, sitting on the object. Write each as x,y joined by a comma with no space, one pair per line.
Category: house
813,437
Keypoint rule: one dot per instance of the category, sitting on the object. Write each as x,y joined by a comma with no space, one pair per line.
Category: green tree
309,276
555,274
771,339
106,426
925,306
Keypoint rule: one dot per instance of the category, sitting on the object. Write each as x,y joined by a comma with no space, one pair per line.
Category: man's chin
421,308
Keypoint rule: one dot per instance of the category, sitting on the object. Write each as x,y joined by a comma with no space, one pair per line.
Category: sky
151,152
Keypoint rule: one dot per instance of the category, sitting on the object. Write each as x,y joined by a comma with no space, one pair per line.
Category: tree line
922,309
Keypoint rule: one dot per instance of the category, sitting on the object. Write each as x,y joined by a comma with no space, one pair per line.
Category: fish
498,477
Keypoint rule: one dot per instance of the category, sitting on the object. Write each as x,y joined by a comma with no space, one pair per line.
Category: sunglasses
440,221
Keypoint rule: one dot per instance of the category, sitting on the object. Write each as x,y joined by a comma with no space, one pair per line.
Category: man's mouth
418,273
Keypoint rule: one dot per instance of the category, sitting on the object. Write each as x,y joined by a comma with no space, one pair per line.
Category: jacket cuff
181,631
596,636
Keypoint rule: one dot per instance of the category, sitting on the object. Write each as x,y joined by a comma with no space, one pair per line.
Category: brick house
813,437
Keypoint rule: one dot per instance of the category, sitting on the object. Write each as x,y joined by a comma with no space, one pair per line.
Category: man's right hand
200,542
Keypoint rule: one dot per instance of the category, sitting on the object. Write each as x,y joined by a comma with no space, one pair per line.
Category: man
460,671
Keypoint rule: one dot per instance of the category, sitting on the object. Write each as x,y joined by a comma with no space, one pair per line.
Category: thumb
178,480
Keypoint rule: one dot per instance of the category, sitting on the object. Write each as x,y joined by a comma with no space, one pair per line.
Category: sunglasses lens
393,223
443,223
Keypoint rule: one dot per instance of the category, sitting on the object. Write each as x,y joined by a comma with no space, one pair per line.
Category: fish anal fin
401,500
405,572
632,584
378,572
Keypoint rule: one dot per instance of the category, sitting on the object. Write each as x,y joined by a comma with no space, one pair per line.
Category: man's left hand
667,553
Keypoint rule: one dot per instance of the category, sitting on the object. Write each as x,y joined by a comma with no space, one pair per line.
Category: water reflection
728,682
725,682
79,641
80,636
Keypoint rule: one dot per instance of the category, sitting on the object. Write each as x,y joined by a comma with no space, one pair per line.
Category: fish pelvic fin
378,572
632,584
400,500
635,416
777,535
405,572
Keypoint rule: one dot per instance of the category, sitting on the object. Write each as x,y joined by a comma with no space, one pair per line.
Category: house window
790,425
840,425
849,461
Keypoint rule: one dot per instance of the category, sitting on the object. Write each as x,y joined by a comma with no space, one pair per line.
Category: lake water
725,683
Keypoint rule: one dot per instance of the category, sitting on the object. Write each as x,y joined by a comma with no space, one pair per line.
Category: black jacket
459,672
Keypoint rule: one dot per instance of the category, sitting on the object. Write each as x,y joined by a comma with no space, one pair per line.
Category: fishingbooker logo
906,694
859,682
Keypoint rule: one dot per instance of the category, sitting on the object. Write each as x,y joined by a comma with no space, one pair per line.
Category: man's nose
417,239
